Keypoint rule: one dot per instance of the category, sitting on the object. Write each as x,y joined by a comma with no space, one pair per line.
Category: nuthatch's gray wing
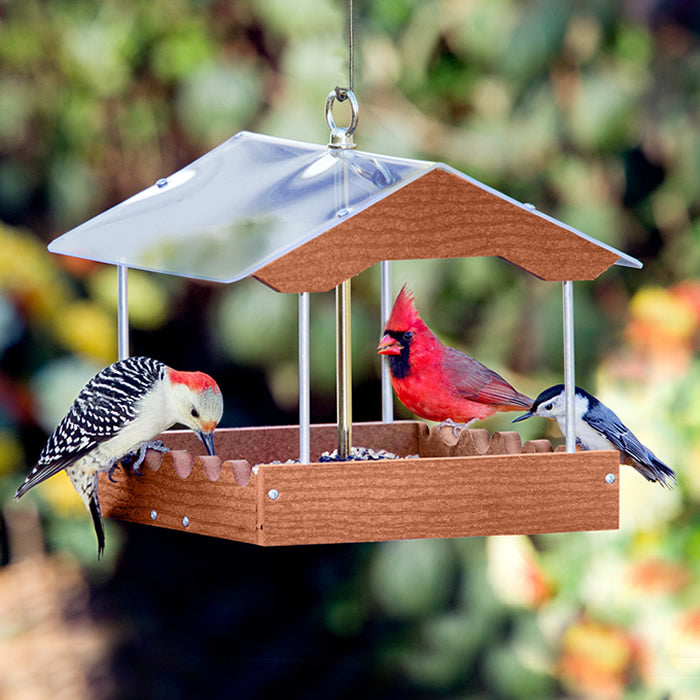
602,419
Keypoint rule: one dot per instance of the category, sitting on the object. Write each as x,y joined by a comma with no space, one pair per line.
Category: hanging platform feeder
305,218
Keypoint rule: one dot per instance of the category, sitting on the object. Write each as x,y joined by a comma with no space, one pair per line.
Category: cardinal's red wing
476,382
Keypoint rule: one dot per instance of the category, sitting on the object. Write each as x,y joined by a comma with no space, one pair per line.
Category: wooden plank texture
446,497
219,508
439,215
530,491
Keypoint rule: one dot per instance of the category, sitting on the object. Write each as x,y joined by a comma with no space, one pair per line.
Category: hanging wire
341,93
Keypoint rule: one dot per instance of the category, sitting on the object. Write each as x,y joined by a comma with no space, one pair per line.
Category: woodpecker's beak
389,346
529,414
208,440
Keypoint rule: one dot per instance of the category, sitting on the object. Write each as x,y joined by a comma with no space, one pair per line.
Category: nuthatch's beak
529,414
389,346
208,440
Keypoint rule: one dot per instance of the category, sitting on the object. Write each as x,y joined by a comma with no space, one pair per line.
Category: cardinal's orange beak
389,346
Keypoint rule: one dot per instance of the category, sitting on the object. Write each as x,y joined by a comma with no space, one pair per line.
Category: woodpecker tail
84,480
96,515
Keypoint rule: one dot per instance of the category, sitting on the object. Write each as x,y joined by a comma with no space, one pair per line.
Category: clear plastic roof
247,203
240,206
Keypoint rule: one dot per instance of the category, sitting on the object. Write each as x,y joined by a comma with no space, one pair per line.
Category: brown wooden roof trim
438,215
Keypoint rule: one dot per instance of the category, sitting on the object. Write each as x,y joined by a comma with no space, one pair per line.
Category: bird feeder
305,218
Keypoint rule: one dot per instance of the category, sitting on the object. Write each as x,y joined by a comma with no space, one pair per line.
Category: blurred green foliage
589,110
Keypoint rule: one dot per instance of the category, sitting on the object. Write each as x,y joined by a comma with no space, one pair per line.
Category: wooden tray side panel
449,497
219,509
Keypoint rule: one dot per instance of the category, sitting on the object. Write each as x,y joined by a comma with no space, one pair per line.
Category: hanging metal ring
341,136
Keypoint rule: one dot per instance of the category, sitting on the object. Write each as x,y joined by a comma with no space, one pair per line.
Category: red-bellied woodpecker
117,413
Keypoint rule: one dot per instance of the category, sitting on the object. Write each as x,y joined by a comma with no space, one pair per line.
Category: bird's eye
549,407
408,335
194,413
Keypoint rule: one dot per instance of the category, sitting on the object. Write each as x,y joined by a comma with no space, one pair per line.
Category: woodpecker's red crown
196,381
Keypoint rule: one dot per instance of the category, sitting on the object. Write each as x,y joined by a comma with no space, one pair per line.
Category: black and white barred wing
102,408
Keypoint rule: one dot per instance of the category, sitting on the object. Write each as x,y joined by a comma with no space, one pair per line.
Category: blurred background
590,110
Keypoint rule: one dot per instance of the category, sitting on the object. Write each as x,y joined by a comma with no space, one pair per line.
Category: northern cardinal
435,381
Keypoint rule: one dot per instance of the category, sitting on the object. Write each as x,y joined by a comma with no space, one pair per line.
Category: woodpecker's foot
128,460
457,428
141,454
116,465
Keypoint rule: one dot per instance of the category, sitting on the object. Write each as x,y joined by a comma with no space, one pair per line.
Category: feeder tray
478,484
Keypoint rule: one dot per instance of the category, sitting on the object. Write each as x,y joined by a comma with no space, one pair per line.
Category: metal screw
162,182
273,494
154,515
186,521
610,478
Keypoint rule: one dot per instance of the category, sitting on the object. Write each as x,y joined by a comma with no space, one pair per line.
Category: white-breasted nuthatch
598,428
